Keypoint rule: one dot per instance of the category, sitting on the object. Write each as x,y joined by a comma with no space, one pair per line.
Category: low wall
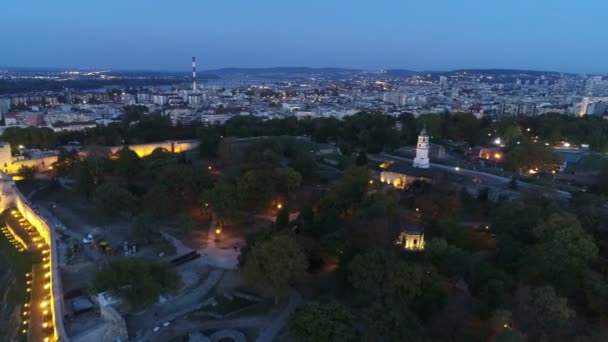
41,164
12,197
143,150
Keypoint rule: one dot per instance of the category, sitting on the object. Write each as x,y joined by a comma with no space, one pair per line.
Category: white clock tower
422,151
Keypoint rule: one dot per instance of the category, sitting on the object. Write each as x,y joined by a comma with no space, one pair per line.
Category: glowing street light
279,206
218,231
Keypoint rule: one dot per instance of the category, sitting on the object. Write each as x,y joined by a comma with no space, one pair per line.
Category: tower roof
424,132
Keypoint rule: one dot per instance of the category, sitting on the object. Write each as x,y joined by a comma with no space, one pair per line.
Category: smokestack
194,74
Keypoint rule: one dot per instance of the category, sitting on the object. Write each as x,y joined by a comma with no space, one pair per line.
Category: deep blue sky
556,35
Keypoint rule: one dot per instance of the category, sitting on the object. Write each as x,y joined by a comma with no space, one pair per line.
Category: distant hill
401,72
280,71
505,72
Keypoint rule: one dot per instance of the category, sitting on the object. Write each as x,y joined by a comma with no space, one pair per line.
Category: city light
218,231
279,206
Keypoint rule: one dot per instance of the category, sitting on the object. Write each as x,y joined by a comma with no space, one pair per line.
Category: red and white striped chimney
193,74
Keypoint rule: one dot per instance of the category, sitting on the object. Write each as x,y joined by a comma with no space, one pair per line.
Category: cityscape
300,176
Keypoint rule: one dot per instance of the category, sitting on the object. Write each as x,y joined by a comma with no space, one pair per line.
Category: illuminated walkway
37,316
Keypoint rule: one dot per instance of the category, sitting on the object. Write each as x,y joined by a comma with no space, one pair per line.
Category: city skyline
359,35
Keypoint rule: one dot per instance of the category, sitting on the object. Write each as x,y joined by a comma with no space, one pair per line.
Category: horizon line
186,71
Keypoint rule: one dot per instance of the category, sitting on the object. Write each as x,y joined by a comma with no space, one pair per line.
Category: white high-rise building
422,151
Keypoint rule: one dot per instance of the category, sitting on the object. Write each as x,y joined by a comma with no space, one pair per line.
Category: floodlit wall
143,150
397,180
13,198
40,163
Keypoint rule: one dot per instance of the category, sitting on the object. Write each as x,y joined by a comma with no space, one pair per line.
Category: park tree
510,335
449,259
361,159
317,321
139,281
85,182
274,264
306,165
490,284
209,138
282,220
542,312
562,250
594,291
382,276
128,164
176,188
392,290
30,137
286,180
97,161
110,198
526,154
438,205
255,189
223,201
508,130
27,172
601,184
66,161
590,212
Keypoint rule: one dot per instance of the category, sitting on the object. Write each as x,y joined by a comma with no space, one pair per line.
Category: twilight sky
558,35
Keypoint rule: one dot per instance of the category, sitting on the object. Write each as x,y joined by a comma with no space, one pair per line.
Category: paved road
157,314
485,177
270,331
181,328
88,249
271,326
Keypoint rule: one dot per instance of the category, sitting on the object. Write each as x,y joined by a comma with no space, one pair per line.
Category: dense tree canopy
322,322
113,199
274,264
139,281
